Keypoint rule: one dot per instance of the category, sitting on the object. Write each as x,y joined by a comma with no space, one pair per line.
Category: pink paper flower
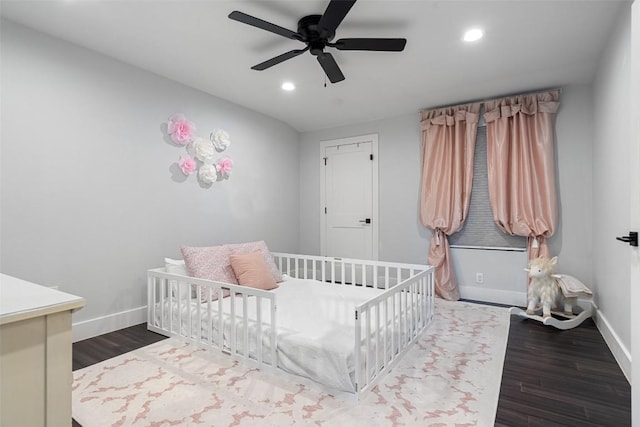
180,129
224,167
187,165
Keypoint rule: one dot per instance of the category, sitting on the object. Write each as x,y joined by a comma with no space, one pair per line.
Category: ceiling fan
317,31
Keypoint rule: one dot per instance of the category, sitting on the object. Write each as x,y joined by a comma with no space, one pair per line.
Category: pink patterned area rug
450,377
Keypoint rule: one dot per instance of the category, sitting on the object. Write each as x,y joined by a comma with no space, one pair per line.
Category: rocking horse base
569,322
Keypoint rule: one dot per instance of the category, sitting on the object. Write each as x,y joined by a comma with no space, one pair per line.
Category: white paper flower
220,139
208,174
203,149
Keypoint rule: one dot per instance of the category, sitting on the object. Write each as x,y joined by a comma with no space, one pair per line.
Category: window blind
479,230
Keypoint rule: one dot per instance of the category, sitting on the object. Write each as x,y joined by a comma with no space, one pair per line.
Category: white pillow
175,266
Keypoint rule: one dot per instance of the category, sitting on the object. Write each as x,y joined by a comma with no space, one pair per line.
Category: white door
349,198
635,278
634,201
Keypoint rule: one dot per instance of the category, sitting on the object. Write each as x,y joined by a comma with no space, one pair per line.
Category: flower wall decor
208,174
203,149
200,152
220,139
180,129
187,165
224,167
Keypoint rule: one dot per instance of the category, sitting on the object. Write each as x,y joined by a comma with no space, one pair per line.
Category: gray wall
88,196
611,176
403,238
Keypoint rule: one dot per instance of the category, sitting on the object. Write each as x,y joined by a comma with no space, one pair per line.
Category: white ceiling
528,45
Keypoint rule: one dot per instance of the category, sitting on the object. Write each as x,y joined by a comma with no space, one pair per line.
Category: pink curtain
448,144
521,167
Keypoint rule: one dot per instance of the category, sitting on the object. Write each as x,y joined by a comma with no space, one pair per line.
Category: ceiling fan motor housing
315,37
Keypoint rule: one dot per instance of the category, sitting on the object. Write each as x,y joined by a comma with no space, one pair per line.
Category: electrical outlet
479,278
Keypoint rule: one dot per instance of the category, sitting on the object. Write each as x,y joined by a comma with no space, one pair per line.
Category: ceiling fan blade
385,45
263,25
330,67
278,59
335,13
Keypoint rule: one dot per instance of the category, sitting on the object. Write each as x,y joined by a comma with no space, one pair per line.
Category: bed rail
388,325
385,326
174,309
346,271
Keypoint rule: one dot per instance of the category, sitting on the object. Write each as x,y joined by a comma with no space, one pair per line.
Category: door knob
365,221
631,239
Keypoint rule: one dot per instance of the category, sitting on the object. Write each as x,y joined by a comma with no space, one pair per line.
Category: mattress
315,327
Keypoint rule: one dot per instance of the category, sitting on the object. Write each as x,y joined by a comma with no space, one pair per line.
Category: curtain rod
559,89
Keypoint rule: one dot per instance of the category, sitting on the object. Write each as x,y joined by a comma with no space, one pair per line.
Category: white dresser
35,354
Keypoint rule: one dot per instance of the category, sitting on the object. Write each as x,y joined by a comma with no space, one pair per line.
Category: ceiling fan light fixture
288,86
473,35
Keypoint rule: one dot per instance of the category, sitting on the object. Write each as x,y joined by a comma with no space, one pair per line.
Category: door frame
375,217
634,199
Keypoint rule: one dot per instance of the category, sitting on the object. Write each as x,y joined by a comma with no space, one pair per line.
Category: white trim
498,296
620,352
489,248
375,217
109,323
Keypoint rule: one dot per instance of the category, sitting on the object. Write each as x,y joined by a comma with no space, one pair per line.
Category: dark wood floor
550,377
94,350
561,378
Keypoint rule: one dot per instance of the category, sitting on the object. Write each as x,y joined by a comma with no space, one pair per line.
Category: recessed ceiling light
473,35
288,86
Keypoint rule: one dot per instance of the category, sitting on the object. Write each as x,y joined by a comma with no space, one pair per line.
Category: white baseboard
498,296
102,325
620,352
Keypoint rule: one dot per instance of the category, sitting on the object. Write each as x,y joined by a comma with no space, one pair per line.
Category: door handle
365,221
631,239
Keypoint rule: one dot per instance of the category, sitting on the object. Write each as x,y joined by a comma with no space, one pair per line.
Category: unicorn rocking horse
548,291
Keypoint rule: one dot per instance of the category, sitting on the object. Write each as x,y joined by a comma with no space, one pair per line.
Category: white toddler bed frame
386,325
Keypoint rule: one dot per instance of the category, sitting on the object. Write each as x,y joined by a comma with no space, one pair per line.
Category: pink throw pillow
245,248
211,263
252,271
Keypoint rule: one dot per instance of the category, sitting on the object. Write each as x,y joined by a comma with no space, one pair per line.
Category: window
479,229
